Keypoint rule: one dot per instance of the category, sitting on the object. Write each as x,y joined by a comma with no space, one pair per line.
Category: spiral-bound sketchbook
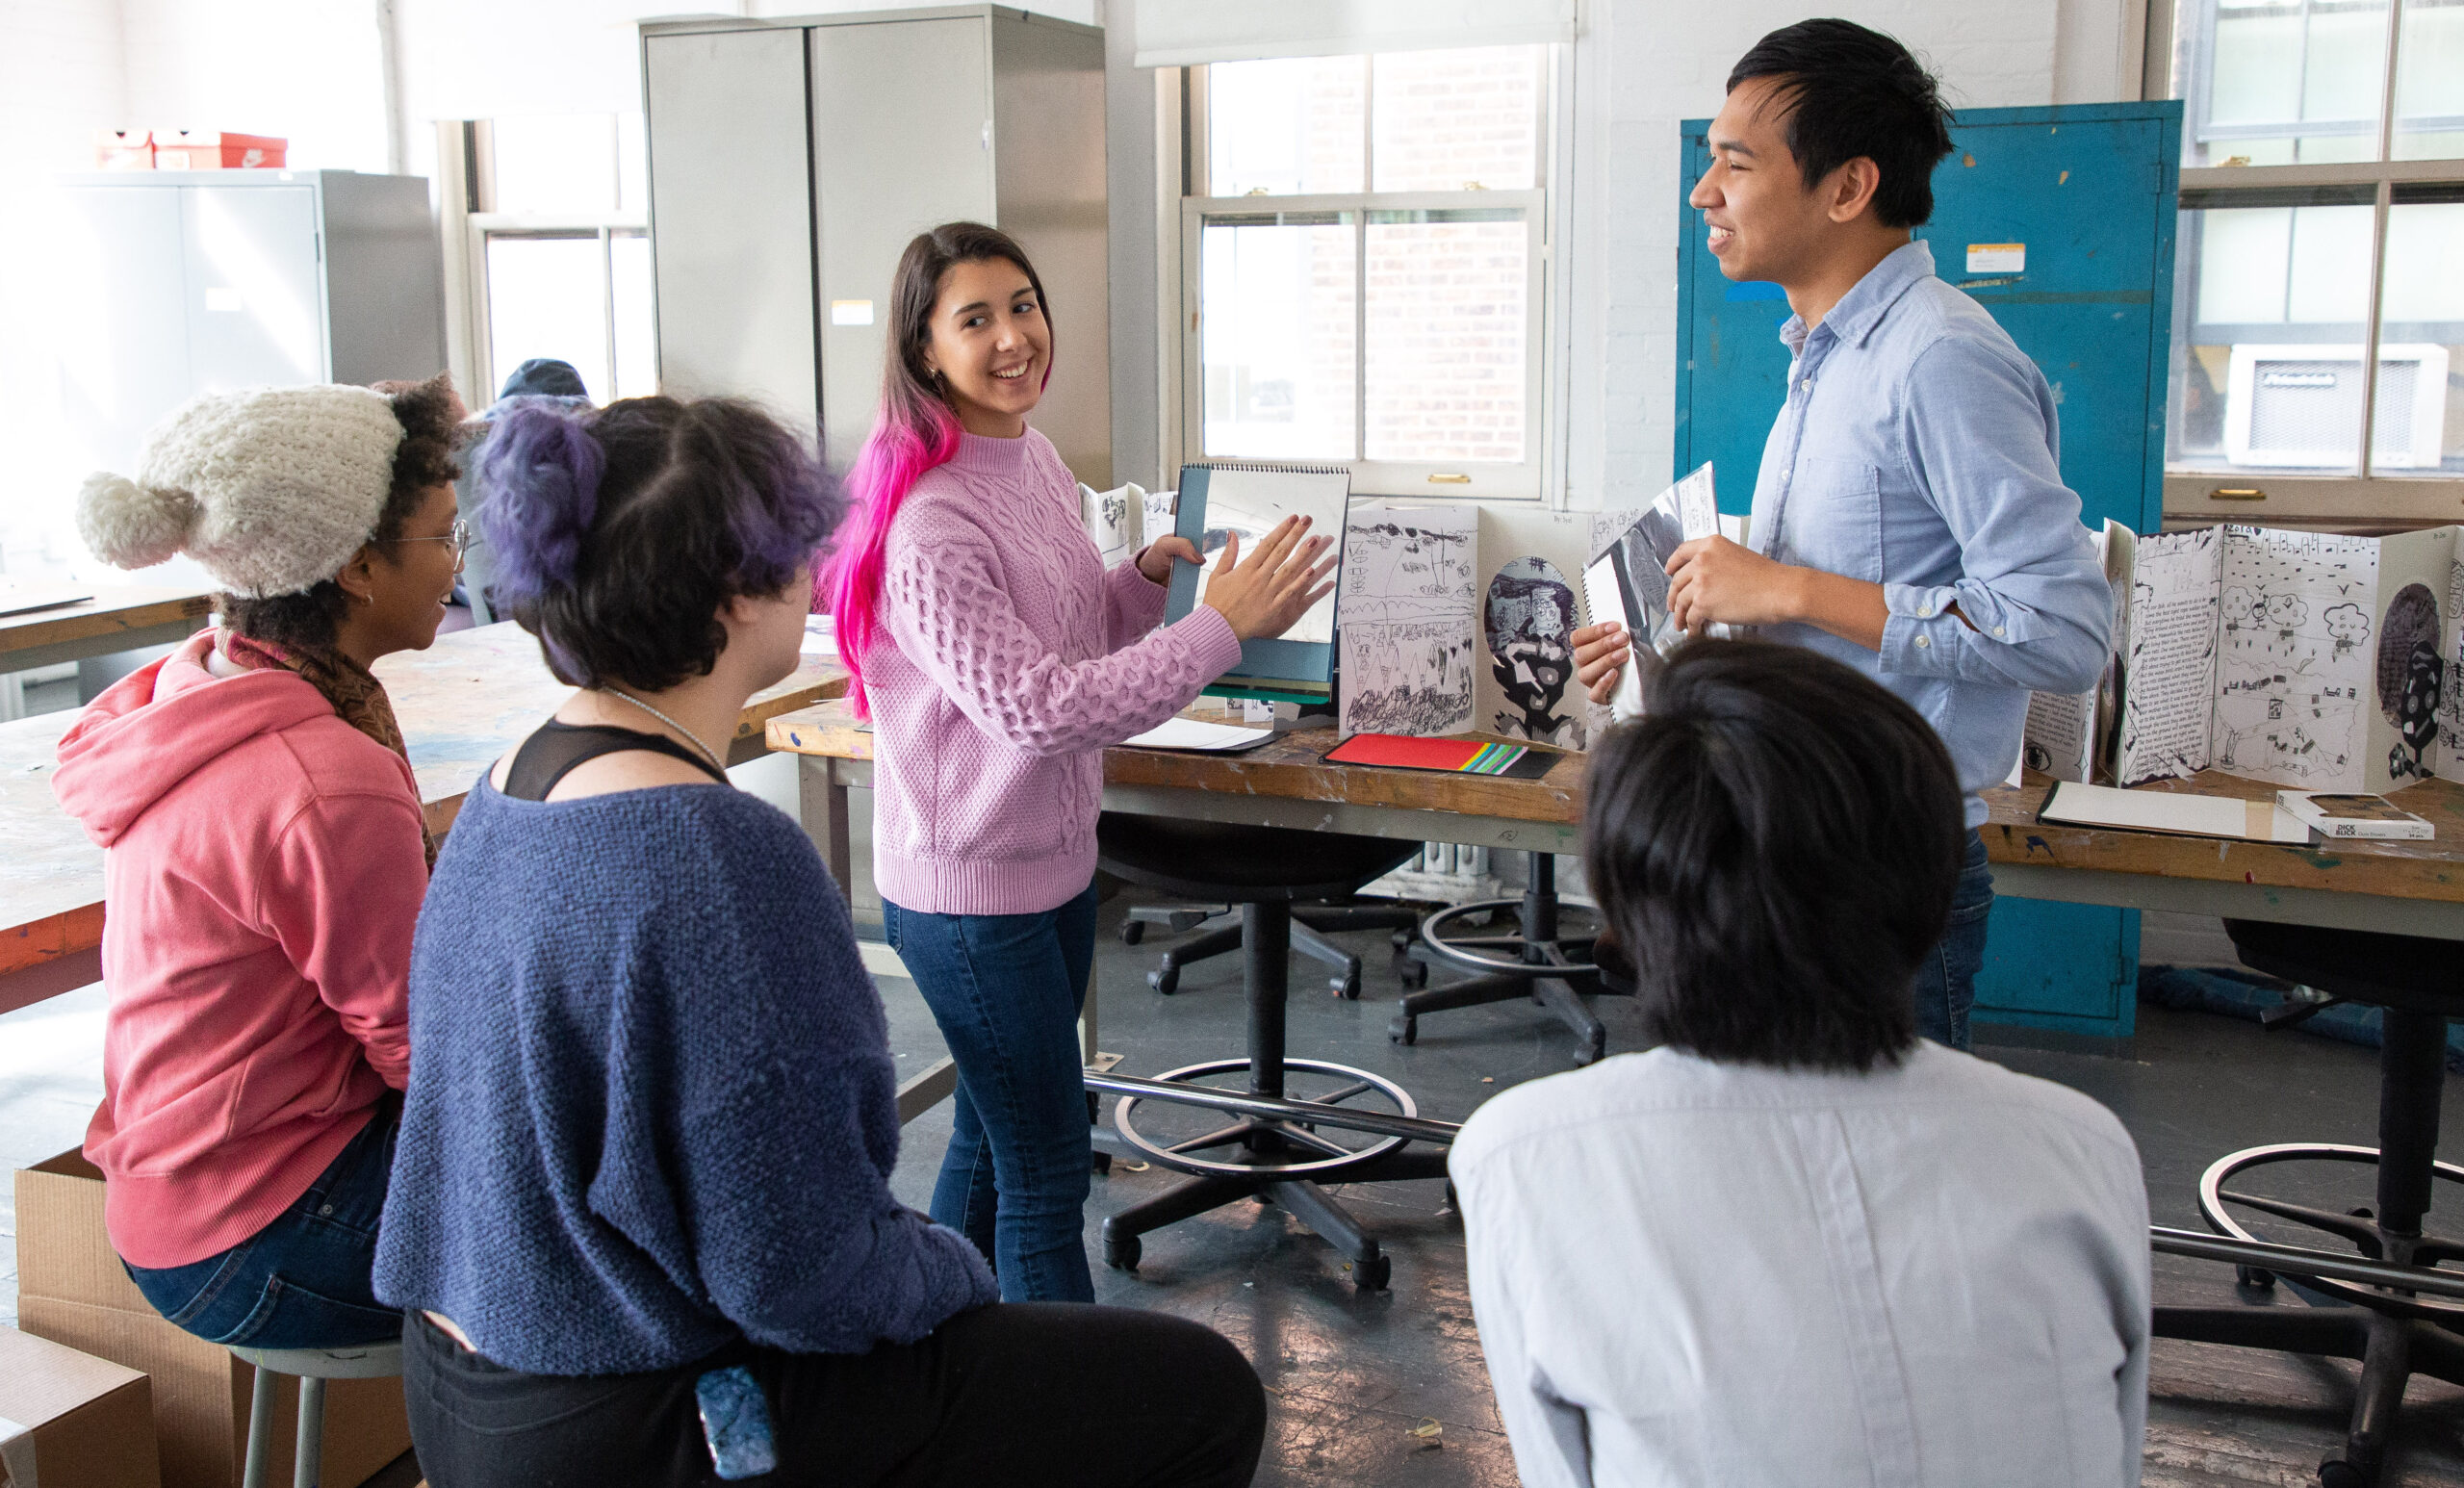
1218,501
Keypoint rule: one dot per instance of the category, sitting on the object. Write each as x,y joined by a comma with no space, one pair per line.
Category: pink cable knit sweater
1006,660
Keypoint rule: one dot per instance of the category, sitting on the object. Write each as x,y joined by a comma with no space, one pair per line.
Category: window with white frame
559,251
2318,308
1363,256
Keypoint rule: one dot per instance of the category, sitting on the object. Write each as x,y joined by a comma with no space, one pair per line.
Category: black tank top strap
552,753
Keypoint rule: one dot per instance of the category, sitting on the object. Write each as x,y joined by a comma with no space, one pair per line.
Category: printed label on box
1997,258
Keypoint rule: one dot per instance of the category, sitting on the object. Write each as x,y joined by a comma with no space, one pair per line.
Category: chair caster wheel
2344,1475
1406,1029
1103,1162
1345,987
1592,1048
1373,1275
1451,1202
1120,1252
1415,973
1165,980
2254,1278
1132,932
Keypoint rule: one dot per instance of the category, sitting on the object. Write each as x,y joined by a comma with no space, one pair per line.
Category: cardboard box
124,149
72,1290
200,149
67,1417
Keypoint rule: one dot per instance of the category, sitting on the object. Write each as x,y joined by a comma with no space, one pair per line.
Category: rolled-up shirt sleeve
2033,608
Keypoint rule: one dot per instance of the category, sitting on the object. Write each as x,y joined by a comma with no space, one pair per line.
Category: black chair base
2393,1333
1309,923
1533,961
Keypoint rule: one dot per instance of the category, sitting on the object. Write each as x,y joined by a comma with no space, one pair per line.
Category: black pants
1023,1393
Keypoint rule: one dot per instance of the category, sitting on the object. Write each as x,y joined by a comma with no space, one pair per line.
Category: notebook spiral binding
1269,470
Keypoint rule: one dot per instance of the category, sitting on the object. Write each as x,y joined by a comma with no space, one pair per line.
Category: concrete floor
1357,1378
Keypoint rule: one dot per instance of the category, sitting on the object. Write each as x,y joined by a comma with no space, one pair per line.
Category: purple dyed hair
619,532
915,430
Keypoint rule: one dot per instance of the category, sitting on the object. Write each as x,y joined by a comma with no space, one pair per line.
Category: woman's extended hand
1157,561
1265,596
1601,652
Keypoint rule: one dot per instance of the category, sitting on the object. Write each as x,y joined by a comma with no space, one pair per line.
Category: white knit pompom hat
272,489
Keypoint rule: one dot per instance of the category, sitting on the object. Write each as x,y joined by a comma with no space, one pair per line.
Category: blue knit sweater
652,1108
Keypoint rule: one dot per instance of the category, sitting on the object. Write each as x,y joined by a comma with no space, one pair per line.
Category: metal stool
2394,1332
1536,959
312,1367
1284,1157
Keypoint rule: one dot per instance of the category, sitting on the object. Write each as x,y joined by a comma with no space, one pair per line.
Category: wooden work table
461,703
2405,888
113,619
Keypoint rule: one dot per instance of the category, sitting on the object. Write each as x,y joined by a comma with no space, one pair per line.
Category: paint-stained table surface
462,703
111,620
1291,766
2405,888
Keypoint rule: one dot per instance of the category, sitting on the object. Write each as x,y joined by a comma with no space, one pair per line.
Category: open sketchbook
2309,660
1627,577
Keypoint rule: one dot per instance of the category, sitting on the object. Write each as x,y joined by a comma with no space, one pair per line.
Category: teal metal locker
2089,190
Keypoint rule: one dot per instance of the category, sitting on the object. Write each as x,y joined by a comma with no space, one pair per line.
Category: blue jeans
302,1281
1006,990
1947,979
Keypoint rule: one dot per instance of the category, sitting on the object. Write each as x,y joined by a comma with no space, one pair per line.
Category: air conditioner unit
2300,405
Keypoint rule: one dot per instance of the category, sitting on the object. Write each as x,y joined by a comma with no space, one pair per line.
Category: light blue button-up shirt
1918,449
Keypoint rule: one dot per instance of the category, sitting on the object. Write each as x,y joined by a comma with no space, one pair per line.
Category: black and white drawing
2409,678
1407,619
2288,684
1527,618
1106,516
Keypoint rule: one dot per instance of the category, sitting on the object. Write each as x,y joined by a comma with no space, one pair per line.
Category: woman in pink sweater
265,853
997,659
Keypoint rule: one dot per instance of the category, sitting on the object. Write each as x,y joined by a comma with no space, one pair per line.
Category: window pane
1285,127
556,163
629,257
547,297
1276,344
2430,81
2418,417
2267,376
1447,321
2292,83
1446,119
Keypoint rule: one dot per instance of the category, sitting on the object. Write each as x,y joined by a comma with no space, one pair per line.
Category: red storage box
190,149
124,149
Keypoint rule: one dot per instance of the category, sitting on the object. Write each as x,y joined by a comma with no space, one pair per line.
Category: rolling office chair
1535,958
1309,924
2419,984
1265,870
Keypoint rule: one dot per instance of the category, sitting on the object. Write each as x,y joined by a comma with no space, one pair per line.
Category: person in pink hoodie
997,657
263,853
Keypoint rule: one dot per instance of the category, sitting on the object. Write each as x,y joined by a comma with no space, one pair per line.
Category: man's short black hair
1774,846
1851,91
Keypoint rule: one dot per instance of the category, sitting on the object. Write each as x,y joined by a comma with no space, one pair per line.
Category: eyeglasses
459,537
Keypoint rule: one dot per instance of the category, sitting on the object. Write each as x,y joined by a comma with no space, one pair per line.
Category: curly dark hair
619,532
432,417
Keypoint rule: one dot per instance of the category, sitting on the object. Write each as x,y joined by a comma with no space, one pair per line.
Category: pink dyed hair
915,430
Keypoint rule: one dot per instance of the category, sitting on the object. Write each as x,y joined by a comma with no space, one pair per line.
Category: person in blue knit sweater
641,1223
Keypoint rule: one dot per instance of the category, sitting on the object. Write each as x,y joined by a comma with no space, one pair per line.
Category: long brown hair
916,429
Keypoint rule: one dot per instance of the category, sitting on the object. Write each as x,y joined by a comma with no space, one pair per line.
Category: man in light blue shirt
1910,518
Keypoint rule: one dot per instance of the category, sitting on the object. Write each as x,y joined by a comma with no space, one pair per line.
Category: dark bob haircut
1774,845
429,414
1850,93
620,532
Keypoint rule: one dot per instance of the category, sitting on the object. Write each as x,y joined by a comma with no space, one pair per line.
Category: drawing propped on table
1408,620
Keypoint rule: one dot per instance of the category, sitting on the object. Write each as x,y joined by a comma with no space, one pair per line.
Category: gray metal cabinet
792,160
210,281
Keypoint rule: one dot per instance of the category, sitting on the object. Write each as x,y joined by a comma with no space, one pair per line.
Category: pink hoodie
261,876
